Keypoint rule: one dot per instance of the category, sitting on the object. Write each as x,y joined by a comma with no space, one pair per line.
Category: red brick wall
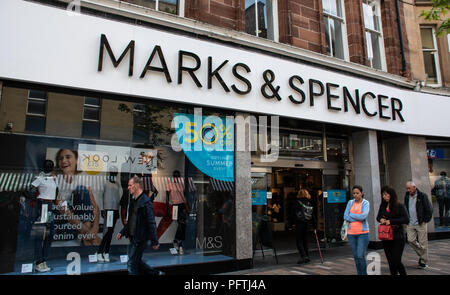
301,25
355,32
222,13
392,40
304,28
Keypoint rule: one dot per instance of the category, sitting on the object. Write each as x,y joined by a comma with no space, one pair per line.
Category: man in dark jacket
420,213
140,228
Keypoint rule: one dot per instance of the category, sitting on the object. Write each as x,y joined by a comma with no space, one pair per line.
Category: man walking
420,213
140,228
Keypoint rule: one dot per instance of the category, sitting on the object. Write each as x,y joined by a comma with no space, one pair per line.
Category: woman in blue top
358,229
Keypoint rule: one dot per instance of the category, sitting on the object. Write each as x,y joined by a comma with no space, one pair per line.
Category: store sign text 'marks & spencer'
339,98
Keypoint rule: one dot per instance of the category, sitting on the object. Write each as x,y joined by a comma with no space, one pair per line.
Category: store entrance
286,182
328,197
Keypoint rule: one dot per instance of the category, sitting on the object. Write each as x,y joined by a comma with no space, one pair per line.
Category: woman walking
393,213
358,231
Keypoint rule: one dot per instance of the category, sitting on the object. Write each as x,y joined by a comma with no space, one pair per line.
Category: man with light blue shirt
420,213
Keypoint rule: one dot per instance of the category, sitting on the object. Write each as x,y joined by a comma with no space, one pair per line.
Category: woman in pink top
358,231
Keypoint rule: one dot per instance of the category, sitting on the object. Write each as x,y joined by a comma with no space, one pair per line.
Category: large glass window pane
91,129
35,124
91,113
430,66
334,28
256,17
36,107
91,177
169,6
38,94
430,55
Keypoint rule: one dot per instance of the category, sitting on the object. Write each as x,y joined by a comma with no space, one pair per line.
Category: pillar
367,173
406,158
244,245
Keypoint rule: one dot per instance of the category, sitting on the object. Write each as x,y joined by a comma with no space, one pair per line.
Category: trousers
359,245
418,240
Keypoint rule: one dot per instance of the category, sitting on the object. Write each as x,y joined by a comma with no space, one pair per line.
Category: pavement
339,261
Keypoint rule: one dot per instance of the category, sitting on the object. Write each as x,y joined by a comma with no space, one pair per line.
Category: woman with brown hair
76,202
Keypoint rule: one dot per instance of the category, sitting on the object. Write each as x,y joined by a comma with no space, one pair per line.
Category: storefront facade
124,97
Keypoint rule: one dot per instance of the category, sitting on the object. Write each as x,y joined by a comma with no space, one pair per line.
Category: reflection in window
260,19
302,146
92,177
169,6
36,111
372,25
91,117
334,27
430,55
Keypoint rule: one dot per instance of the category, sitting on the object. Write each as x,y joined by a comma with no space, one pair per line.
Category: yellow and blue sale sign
208,142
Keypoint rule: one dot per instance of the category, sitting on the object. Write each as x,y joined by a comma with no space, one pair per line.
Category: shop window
373,32
337,150
334,20
140,128
91,177
261,18
430,55
301,146
168,6
36,111
91,117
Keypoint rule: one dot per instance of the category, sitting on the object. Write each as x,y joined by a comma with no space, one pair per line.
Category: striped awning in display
15,182
221,186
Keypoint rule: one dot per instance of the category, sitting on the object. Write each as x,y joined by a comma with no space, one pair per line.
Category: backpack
305,213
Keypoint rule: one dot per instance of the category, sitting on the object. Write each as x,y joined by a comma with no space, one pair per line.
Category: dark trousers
394,251
444,211
106,241
301,237
135,264
180,235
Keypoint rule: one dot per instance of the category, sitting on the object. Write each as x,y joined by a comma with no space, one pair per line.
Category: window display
185,162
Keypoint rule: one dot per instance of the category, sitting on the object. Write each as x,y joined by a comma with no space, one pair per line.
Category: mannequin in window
112,193
175,195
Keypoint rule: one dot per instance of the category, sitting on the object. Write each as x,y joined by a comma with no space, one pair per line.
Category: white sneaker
100,257
46,266
181,251
106,256
41,267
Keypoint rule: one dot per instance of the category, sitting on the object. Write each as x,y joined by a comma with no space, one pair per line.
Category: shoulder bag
385,232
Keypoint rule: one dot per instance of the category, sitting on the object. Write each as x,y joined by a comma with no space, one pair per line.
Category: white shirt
46,185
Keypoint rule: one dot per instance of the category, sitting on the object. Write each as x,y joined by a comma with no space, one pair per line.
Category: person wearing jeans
356,214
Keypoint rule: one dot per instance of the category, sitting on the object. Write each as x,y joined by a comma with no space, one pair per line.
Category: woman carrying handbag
393,214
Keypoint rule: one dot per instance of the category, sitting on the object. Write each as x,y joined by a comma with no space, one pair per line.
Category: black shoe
307,260
422,265
301,261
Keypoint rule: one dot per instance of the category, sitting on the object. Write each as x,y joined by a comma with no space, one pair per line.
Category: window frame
180,7
379,33
29,116
90,121
436,55
341,19
271,7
